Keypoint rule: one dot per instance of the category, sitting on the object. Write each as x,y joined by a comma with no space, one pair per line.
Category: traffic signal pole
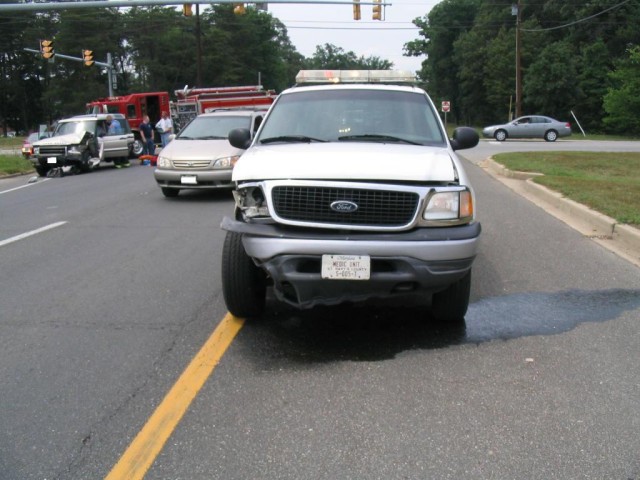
108,64
45,6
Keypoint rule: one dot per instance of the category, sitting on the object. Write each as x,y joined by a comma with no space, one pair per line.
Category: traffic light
87,57
238,9
377,10
356,9
186,10
46,48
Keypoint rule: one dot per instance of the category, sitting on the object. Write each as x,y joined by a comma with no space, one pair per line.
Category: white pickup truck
350,191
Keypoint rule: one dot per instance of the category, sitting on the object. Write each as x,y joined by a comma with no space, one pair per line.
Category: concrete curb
624,240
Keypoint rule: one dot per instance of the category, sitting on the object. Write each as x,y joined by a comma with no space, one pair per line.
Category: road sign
446,106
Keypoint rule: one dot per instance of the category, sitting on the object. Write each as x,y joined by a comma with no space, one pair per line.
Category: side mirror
464,137
240,138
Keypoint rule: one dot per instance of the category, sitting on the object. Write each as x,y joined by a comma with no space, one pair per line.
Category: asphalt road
100,315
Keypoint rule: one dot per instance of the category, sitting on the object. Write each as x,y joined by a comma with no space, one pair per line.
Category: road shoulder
623,240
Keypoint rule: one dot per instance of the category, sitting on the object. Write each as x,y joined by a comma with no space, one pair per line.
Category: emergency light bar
354,76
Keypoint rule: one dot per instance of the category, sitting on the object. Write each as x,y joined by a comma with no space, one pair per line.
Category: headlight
74,150
36,150
226,162
449,207
163,162
251,202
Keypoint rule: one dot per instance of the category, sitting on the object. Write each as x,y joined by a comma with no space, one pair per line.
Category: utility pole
198,48
518,60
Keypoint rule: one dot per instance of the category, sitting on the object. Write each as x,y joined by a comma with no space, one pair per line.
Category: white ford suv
349,191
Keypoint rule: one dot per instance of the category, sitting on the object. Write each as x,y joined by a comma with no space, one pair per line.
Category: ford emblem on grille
344,206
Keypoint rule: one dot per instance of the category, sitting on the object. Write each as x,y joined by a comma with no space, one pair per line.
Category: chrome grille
376,208
53,150
188,164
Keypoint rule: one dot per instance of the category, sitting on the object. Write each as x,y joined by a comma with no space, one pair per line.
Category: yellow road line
148,444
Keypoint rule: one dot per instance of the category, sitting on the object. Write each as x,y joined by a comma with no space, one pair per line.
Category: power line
577,21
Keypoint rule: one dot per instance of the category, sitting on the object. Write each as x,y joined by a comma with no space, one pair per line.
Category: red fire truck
189,103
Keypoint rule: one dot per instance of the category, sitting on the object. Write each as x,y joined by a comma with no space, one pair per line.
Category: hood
346,161
69,139
178,149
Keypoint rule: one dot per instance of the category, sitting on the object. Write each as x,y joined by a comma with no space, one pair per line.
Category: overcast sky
312,25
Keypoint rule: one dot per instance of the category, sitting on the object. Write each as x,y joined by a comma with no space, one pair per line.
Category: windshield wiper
182,137
211,137
376,137
292,139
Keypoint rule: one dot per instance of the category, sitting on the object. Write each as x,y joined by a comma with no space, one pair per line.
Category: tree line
576,56
152,49
580,57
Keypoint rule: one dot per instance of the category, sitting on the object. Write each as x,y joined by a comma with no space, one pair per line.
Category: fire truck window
131,111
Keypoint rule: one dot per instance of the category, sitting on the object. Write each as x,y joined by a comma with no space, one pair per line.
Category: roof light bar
354,76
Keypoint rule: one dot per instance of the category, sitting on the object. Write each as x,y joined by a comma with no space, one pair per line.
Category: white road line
32,232
24,186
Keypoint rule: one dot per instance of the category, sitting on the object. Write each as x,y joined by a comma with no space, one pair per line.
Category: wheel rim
551,136
137,147
500,135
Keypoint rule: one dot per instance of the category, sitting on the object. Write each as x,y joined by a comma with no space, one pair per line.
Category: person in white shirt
165,127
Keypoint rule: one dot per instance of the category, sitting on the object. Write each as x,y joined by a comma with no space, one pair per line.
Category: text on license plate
189,180
52,160
346,267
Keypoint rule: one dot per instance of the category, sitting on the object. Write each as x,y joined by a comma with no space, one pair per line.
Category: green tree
550,82
622,101
161,49
593,83
441,28
329,56
22,74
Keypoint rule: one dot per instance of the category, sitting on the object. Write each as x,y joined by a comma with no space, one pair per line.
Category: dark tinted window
334,114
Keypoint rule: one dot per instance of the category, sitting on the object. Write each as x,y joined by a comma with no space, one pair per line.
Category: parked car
27,144
200,156
351,191
82,142
531,126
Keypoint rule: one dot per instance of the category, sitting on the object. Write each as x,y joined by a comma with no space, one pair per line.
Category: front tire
551,136
451,304
244,285
85,165
500,135
42,170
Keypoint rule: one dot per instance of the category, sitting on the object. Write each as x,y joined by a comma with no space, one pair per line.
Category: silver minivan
200,156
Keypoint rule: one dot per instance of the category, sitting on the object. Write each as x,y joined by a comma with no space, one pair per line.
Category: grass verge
11,164
606,182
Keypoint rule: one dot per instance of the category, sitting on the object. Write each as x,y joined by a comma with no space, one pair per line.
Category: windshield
213,127
79,127
365,115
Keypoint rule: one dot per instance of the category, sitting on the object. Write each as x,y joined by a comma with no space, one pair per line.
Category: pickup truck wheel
170,192
85,164
136,149
451,304
42,170
243,284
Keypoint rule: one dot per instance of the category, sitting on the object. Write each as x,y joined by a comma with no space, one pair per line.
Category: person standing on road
165,127
146,134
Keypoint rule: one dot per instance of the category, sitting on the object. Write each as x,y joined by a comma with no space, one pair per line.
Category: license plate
52,160
189,180
346,267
